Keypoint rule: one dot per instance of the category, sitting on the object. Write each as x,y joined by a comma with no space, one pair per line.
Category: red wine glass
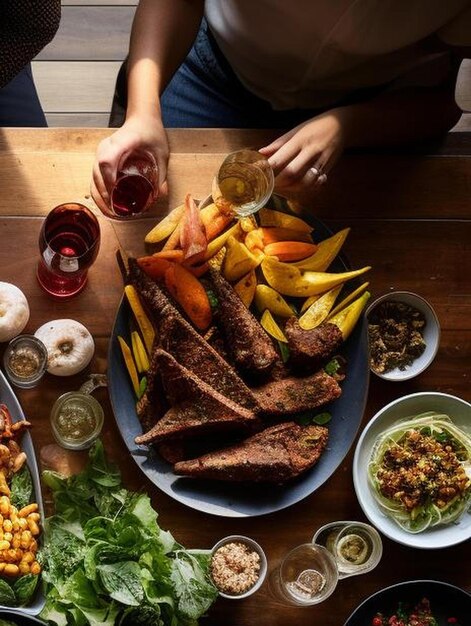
68,242
136,186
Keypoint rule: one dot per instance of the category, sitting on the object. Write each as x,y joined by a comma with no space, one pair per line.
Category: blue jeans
19,102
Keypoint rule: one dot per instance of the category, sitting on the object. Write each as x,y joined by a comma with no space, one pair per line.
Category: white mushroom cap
69,344
14,311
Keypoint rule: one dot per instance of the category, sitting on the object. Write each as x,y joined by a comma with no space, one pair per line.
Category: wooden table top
410,219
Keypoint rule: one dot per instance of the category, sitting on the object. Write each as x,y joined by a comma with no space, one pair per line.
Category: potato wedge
351,296
270,217
319,310
216,244
268,323
290,280
165,227
245,288
239,260
326,252
266,298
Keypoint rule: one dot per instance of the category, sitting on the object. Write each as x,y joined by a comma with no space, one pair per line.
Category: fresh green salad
106,560
420,471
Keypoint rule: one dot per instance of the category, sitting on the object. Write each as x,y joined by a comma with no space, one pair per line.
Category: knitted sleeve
26,26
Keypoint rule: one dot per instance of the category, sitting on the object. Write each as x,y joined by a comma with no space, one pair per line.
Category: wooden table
410,219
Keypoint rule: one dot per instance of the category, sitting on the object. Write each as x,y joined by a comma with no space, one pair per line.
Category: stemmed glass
68,242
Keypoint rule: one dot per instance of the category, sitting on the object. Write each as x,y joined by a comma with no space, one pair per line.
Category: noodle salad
420,471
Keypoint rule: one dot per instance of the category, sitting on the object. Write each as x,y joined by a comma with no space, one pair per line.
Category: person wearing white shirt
333,74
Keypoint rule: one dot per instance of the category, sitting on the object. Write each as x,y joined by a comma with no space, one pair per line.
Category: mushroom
14,311
69,344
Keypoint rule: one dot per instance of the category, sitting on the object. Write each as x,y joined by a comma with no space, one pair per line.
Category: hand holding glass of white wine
244,183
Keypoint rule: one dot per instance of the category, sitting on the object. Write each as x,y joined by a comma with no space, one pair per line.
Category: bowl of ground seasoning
403,334
238,566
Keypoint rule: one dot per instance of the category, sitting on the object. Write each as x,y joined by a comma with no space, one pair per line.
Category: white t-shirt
313,53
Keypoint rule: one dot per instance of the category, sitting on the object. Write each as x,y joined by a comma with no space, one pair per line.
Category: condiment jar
25,361
76,420
357,547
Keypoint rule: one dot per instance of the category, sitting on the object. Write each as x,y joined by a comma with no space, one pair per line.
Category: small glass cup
356,546
68,242
306,576
76,420
244,183
136,186
25,361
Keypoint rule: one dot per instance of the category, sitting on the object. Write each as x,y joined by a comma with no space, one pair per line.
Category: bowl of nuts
403,334
238,567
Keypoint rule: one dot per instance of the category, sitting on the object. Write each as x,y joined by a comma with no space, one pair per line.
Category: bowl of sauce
25,361
76,420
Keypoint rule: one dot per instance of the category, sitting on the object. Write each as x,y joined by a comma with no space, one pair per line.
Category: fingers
98,198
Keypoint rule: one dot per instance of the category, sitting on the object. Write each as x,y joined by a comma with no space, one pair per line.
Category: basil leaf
21,487
123,582
7,595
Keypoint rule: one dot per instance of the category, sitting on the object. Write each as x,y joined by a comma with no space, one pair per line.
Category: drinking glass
136,185
244,183
307,575
68,242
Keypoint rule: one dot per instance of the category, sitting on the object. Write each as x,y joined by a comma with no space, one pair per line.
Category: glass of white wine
243,183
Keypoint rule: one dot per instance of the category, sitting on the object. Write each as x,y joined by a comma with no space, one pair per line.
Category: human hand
302,157
143,133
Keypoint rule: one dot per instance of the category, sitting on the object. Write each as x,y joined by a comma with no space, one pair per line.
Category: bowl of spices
404,335
25,361
238,567
76,420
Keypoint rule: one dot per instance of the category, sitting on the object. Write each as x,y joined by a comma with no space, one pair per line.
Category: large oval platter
230,499
8,397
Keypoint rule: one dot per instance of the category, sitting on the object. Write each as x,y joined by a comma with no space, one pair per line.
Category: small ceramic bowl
252,545
431,334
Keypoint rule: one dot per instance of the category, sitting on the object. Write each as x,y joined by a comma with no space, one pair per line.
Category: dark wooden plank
91,33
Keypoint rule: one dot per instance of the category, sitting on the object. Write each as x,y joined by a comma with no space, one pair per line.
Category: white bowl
439,536
263,564
431,334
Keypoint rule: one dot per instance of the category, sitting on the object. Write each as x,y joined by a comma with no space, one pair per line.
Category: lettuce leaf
106,560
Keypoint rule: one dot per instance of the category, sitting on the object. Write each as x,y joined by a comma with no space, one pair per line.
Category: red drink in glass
69,242
136,186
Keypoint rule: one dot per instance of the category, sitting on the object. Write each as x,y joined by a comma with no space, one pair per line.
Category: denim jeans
19,102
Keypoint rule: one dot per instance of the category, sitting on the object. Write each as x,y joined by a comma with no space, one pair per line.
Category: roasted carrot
170,255
274,234
214,221
290,250
190,295
197,270
154,267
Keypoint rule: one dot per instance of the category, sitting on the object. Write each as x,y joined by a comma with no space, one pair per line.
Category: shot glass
356,546
243,183
25,361
307,575
136,186
68,243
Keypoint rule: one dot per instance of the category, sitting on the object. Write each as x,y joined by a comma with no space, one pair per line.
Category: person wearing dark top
25,29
